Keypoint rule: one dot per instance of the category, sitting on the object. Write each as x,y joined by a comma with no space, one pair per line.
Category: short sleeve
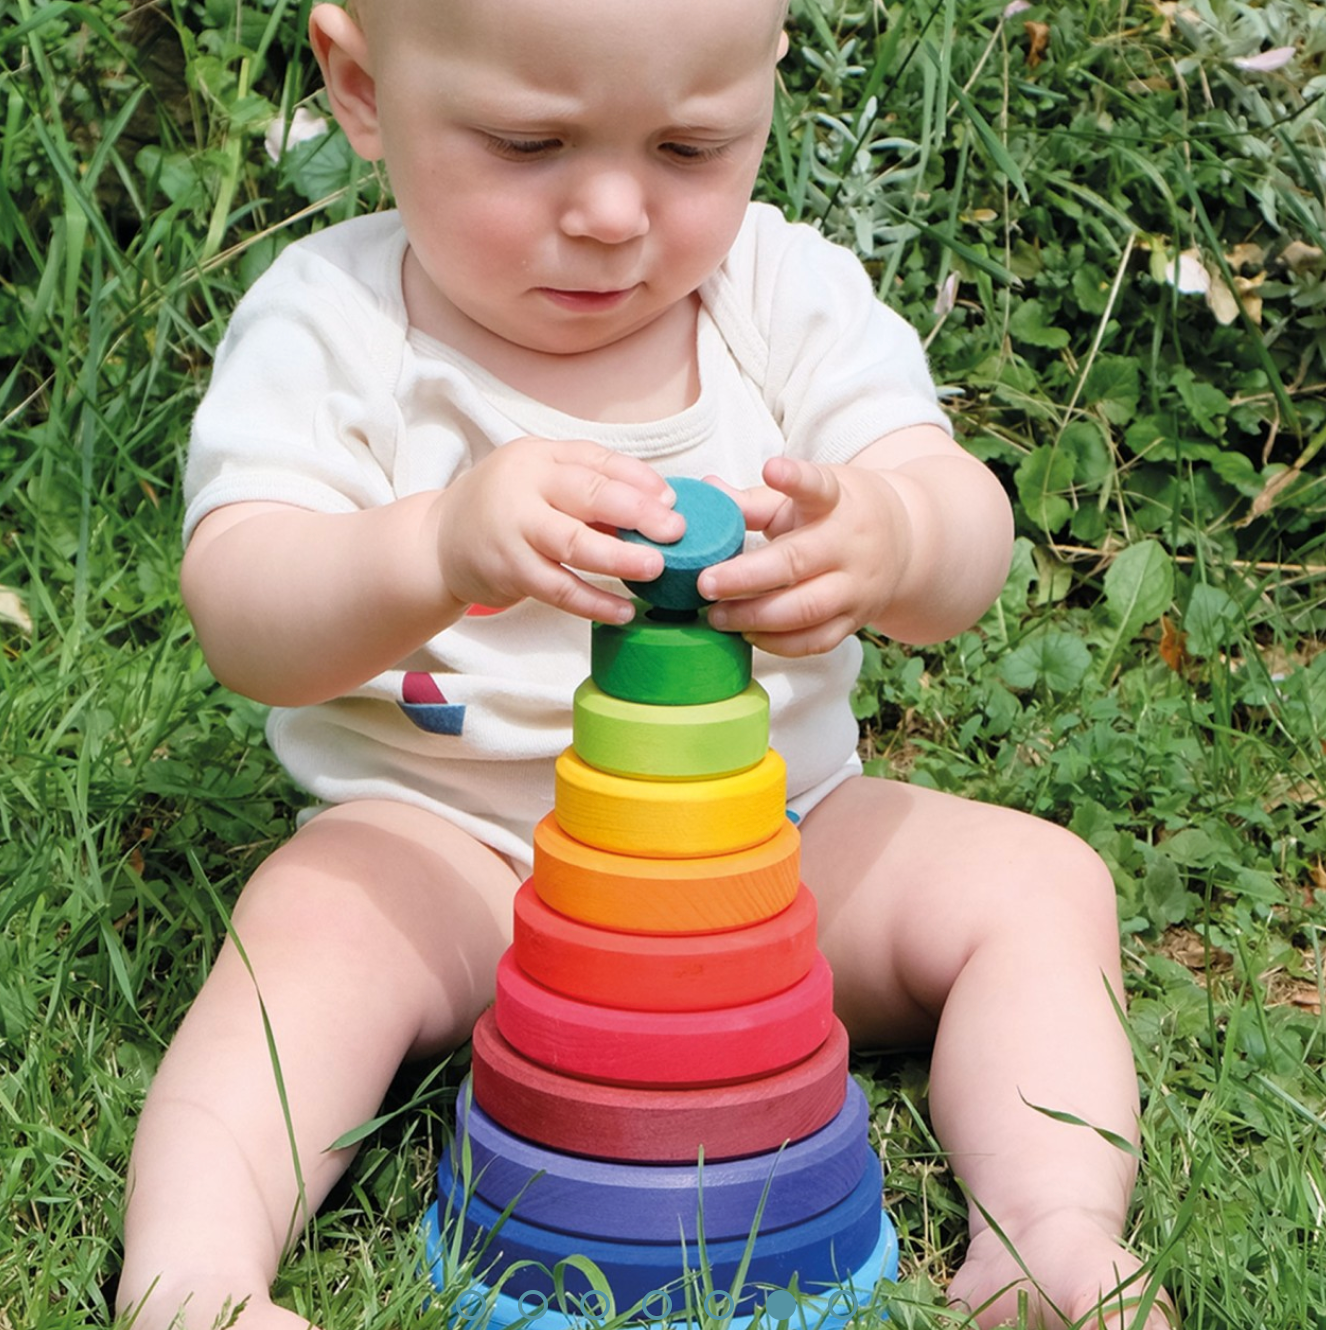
837,367
299,409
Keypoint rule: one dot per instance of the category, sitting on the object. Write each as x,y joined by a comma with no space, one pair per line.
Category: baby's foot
194,1312
1083,1279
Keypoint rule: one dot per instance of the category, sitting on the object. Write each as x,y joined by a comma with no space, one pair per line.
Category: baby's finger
575,544
785,562
758,505
806,642
813,488
559,587
793,609
594,497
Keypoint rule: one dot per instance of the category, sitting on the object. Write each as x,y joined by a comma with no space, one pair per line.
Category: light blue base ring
480,1308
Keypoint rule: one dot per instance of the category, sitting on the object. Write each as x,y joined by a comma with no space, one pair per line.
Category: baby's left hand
839,543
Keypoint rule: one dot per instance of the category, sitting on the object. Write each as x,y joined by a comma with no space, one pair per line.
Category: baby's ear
342,52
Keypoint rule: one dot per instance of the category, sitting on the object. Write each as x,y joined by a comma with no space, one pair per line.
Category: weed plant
1107,220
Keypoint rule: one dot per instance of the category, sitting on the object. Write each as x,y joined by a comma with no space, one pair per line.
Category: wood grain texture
663,971
699,895
668,664
656,1126
660,1049
825,1248
670,819
673,742
715,530
656,1202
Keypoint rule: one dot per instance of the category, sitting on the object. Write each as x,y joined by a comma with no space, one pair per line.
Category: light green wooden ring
668,664
670,743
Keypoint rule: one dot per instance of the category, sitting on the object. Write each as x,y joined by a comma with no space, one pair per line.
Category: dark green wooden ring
668,664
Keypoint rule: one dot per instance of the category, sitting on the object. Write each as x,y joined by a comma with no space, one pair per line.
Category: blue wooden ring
831,1306
824,1249
656,1202
715,530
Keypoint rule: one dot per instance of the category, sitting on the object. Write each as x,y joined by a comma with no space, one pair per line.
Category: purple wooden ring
656,1202
825,1249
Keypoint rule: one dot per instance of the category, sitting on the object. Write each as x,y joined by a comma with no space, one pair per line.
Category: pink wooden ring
664,1048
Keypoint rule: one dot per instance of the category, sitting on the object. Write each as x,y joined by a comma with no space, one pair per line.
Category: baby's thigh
912,882
395,903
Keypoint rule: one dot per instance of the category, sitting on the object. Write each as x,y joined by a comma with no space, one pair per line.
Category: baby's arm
913,538
293,606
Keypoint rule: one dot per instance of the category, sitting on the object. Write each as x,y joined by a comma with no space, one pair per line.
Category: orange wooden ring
664,1048
648,895
660,1126
668,819
663,972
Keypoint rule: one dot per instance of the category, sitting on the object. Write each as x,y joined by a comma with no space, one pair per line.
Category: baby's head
566,170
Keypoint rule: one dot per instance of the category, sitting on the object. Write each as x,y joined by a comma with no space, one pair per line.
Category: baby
422,430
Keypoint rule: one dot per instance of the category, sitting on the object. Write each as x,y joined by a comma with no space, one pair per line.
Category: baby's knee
1060,878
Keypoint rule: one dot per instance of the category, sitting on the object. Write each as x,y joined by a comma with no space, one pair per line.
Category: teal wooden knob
715,530
668,664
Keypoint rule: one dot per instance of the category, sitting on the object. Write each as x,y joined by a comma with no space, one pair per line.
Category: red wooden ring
664,1048
663,972
659,1126
648,895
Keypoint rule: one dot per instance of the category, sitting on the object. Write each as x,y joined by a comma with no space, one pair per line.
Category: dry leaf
1185,947
1246,255
1173,646
1297,256
1038,42
1220,300
12,610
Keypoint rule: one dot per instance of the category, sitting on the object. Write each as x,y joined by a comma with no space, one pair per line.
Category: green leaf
1041,478
1085,443
1164,897
1113,388
1030,324
1138,589
1056,659
1212,619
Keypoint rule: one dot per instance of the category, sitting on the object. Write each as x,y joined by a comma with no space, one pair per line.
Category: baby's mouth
586,301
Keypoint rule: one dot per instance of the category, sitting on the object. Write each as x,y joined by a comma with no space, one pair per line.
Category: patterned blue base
480,1307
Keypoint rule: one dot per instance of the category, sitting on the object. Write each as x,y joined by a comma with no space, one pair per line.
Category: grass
1153,675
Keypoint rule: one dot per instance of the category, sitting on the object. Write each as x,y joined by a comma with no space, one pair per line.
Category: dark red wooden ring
656,1126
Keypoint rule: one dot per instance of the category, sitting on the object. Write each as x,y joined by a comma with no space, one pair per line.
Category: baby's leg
373,935
995,935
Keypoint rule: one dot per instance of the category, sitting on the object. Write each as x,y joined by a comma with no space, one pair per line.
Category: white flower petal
1015,7
1265,61
1188,273
304,125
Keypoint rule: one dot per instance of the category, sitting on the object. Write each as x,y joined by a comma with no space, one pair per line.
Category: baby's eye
693,152
519,149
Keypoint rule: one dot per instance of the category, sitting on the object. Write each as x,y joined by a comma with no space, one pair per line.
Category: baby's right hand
534,510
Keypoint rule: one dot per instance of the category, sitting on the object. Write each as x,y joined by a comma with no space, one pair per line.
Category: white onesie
325,398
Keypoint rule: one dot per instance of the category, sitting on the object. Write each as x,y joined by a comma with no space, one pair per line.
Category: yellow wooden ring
670,818
637,895
670,743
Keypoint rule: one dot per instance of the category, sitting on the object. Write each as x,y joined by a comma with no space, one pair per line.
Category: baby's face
567,170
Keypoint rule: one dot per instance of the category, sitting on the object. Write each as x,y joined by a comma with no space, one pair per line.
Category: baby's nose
607,205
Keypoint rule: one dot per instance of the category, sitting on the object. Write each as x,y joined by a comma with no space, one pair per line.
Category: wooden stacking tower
662,1062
